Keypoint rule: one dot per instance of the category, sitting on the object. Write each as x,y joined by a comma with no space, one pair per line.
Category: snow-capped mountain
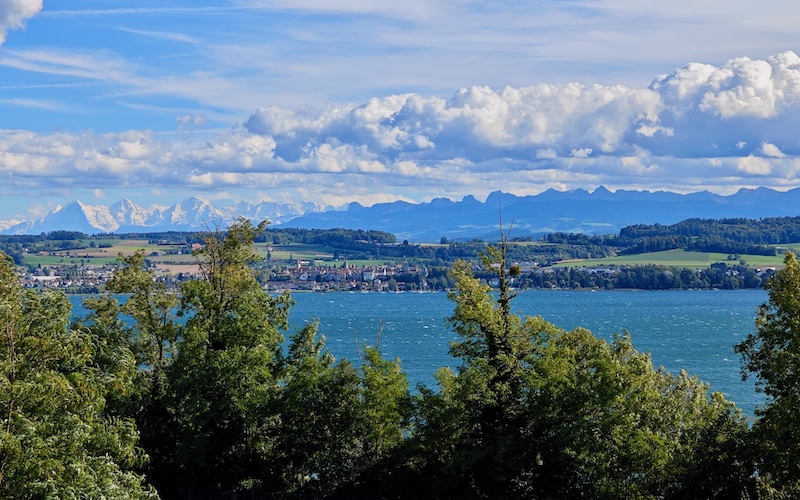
74,216
5,224
125,216
128,213
577,211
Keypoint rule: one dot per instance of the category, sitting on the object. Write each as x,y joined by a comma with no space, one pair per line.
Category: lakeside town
307,276
302,276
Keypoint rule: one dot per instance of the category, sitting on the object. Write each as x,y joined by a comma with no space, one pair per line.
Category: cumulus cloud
699,127
768,149
754,165
475,123
14,13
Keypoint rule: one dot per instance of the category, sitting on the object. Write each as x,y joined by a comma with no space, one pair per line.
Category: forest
196,395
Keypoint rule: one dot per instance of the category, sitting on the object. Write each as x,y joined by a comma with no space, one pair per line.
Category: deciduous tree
55,439
226,364
535,411
772,355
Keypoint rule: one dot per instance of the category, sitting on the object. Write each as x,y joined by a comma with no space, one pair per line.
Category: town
273,276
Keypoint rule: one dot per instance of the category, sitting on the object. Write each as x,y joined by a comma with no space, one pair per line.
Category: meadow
164,256
676,258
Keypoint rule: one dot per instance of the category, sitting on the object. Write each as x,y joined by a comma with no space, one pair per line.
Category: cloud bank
699,127
14,13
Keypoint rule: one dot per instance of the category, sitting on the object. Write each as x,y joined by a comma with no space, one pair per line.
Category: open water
685,329
690,330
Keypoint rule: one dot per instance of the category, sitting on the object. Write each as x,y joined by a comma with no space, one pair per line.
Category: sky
356,100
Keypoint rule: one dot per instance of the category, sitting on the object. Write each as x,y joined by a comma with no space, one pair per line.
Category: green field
312,253
101,256
675,258
320,254
64,260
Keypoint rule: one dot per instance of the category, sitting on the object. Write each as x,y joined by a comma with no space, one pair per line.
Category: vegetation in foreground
214,407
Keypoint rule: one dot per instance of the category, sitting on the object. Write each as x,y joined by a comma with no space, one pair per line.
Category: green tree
149,343
55,439
152,308
318,425
609,425
336,428
226,364
772,355
387,404
223,410
535,411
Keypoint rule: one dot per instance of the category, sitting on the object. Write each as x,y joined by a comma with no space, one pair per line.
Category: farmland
676,258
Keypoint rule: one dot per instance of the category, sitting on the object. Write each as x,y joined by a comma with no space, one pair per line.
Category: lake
682,329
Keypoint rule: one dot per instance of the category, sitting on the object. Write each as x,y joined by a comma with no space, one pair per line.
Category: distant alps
578,211
125,216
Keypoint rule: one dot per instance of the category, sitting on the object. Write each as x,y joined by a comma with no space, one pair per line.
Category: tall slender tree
148,339
226,364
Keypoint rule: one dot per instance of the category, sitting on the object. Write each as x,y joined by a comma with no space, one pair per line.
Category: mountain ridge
598,212
125,216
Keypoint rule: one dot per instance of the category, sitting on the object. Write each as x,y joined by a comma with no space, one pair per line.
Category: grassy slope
676,258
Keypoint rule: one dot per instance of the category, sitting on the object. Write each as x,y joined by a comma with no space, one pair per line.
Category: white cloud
699,127
581,153
191,121
14,13
546,154
768,149
741,87
754,165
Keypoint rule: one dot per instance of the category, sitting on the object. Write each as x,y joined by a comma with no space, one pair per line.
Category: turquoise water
691,330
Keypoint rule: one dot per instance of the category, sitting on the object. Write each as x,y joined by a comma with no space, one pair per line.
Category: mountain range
125,216
577,211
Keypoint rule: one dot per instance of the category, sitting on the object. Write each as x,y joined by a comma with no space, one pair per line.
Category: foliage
225,364
222,409
766,231
772,354
534,411
642,277
150,340
55,439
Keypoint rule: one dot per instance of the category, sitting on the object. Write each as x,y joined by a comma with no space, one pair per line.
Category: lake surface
683,329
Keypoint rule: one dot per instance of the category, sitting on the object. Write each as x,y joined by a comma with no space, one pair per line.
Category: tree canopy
772,355
56,441
538,412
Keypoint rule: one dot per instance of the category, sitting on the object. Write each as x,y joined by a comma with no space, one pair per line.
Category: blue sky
338,101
